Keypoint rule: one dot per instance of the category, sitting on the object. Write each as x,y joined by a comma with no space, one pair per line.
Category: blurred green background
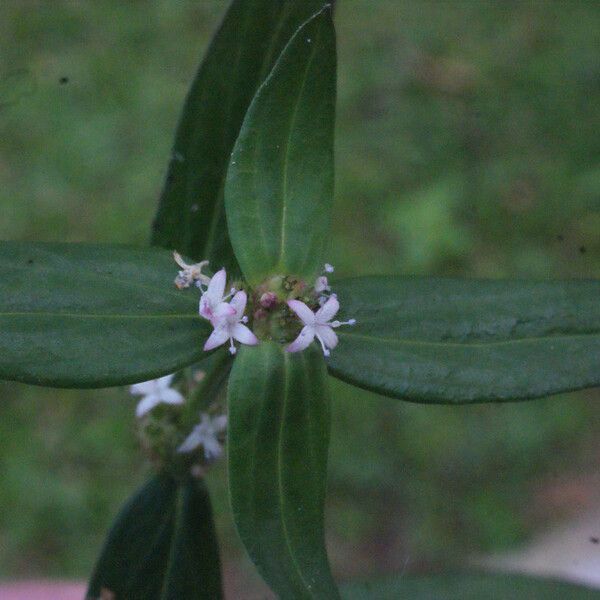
468,144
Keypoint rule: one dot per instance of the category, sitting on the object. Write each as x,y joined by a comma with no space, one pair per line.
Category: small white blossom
205,434
317,325
155,392
228,322
328,268
190,273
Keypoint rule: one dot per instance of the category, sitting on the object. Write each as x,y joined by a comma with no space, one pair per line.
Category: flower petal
238,302
219,423
327,335
242,334
170,396
327,311
212,448
145,405
205,308
306,336
164,382
304,313
192,441
216,287
219,336
143,388
321,284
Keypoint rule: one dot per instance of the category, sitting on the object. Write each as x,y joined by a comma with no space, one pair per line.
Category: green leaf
78,315
191,216
279,186
464,586
162,545
458,341
277,446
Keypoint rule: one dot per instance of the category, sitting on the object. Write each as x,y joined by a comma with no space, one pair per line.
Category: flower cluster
208,433
280,300
226,312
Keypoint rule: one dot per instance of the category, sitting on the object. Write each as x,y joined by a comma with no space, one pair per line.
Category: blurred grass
467,145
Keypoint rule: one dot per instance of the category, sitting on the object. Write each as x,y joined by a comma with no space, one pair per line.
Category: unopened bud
268,300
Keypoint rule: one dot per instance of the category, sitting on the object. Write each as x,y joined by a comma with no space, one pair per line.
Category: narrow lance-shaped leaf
161,546
468,586
191,215
279,186
278,438
458,341
78,315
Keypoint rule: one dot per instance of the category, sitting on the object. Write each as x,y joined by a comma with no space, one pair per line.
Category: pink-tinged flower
206,434
155,392
213,296
228,322
317,325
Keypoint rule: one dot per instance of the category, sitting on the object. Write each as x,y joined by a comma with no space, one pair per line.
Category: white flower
328,268
206,434
155,392
190,273
317,325
228,322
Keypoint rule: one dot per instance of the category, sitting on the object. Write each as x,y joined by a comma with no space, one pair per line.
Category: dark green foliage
161,546
191,215
279,188
447,146
277,452
76,315
468,586
457,341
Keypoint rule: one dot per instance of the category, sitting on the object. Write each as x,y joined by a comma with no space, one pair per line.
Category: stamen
244,319
232,348
338,323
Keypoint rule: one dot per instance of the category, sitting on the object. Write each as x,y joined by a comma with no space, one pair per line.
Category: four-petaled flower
155,392
228,322
205,434
317,325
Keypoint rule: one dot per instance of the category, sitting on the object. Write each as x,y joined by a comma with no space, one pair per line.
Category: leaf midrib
286,160
286,535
